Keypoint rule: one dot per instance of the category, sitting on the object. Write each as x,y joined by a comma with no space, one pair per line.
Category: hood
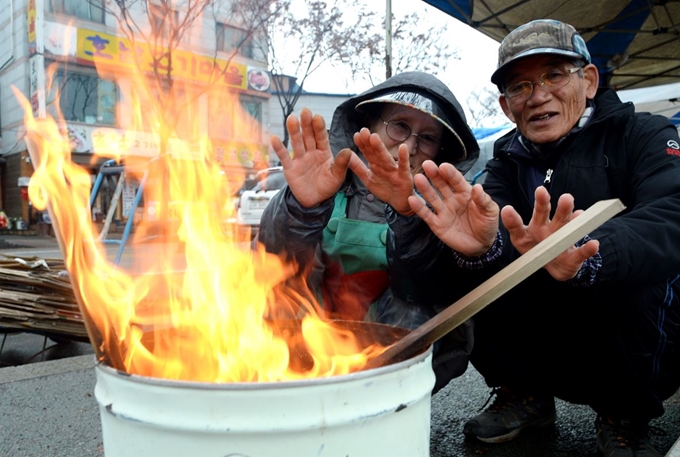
347,120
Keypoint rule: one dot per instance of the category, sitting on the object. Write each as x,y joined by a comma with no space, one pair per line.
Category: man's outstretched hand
524,237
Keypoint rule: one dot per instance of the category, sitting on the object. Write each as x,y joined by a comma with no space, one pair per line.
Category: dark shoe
623,439
508,415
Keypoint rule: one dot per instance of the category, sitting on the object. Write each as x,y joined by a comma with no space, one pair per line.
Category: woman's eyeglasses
400,131
549,81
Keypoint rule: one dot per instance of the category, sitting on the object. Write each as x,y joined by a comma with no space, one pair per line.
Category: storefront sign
129,192
98,48
35,22
36,84
91,47
112,142
241,154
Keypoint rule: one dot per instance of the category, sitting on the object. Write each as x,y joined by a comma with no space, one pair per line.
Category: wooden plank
500,283
675,450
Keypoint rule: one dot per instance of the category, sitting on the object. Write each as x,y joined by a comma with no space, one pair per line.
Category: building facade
71,60
319,103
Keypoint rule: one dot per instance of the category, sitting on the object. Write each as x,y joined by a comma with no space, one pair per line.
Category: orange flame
202,306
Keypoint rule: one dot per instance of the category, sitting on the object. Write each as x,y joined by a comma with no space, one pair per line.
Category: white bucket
378,412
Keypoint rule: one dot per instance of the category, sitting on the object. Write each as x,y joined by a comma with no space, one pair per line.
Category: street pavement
48,408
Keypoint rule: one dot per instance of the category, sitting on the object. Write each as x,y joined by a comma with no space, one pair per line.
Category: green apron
355,261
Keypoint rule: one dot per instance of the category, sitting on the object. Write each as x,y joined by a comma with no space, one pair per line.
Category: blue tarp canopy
481,133
634,43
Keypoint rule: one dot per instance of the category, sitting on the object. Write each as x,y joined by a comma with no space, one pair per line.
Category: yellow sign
31,14
112,142
100,48
243,154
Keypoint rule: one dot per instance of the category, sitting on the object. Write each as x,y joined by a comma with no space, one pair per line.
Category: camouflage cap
542,36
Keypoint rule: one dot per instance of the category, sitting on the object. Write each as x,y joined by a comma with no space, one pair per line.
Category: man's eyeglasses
549,81
400,131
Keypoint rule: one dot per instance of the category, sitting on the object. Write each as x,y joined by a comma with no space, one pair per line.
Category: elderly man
599,324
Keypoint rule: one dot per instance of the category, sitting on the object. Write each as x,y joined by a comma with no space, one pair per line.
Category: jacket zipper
548,175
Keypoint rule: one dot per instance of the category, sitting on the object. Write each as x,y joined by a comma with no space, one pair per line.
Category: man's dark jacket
618,154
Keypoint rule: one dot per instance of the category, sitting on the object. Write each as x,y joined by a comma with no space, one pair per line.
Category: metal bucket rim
358,375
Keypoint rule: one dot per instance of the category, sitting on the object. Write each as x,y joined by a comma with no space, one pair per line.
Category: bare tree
484,108
413,48
329,32
352,35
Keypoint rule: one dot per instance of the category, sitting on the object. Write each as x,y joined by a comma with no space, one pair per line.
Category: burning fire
204,308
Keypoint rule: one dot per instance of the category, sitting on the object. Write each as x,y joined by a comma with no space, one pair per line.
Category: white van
253,202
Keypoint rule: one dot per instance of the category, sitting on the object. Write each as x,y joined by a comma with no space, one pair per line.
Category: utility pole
388,39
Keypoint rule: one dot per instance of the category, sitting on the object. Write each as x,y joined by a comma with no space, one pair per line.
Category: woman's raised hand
389,180
312,173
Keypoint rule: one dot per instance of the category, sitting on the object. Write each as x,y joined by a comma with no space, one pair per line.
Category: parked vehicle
253,201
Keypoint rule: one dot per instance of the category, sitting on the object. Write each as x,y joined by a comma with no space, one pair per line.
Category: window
165,23
181,108
222,124
185,110
230,39
85,98
90,10
220,112
254,120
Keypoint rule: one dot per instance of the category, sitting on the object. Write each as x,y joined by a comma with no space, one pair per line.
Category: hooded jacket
287,227
347,120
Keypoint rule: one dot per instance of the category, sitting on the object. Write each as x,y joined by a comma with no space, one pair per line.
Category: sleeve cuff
482,261
587,274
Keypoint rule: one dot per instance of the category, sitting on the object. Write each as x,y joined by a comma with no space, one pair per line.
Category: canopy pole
388,39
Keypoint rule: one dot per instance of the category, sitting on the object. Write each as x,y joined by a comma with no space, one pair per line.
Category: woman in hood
327,219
